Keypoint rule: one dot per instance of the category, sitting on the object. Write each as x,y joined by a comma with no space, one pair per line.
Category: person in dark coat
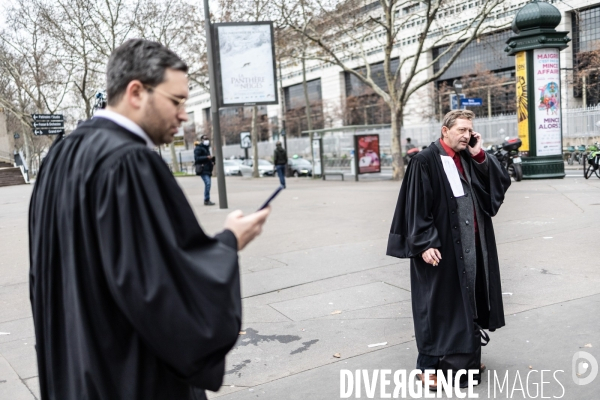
131,299
280,160
204,166
446,231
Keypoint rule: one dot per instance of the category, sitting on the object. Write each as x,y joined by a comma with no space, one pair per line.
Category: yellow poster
522,113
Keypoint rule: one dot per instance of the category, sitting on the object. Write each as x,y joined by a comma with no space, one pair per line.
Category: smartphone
275,193
472,141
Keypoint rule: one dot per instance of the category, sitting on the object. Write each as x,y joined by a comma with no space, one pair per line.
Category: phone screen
275,193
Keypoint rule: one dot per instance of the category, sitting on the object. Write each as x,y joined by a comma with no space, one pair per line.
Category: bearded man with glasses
130,298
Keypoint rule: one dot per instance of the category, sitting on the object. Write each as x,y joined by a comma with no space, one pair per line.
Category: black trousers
425,361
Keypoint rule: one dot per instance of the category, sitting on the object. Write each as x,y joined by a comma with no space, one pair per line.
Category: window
484,54
295,107
586,47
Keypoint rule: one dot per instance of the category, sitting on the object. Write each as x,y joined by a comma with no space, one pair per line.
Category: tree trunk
254,134
174,159
307,111
398,161
28,147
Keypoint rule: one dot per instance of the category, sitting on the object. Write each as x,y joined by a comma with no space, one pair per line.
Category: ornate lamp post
536,48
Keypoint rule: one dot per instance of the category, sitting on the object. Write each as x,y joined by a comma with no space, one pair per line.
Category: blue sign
475,101
454,103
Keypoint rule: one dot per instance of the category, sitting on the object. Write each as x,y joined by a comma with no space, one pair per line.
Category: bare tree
347,34
33,82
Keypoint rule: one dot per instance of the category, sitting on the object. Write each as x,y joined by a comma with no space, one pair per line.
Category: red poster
367,147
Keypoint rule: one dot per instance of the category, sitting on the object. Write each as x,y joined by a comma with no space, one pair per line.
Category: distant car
232,167
300,167
265,168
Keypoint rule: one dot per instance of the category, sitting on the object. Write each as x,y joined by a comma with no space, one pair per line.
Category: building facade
337,98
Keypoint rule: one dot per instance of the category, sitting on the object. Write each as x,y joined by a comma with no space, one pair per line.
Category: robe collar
126,123
447,151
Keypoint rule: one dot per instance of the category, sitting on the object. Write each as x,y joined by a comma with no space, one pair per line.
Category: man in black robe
446,231
130,298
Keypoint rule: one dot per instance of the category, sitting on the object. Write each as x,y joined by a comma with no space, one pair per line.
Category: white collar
126,123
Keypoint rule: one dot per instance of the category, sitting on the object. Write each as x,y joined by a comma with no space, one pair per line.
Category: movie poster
522,111
367,148
246,64
546,65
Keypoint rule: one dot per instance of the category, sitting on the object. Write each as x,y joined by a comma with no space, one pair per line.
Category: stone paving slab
525,342
353,298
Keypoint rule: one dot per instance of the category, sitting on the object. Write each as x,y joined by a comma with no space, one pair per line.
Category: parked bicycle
591,163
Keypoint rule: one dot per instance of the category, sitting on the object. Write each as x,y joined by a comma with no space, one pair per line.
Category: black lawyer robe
425,212
130,298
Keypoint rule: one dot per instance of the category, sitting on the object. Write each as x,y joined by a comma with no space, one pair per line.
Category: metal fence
580,126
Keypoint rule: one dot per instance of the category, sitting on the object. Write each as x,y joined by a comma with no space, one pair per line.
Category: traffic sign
47,117
39,132
454,102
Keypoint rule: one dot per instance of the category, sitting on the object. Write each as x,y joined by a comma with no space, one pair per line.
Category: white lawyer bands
452,175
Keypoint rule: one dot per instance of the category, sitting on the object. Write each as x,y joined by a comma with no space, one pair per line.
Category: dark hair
138,59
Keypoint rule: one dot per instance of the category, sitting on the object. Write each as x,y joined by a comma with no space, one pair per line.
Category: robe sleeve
413,230
178,287
490,182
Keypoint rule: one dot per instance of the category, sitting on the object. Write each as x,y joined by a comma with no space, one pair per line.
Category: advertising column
547,112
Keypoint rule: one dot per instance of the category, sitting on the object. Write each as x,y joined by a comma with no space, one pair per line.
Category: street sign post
48,124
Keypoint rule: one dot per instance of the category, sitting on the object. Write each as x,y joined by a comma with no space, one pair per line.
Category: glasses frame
177,102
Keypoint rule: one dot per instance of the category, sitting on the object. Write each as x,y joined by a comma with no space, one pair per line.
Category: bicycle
591,163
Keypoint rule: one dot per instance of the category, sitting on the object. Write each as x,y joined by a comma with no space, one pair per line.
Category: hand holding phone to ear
475,143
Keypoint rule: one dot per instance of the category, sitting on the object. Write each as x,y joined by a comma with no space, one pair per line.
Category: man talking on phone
131,299
443,224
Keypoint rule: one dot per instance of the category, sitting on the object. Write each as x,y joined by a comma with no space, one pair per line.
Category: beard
155,126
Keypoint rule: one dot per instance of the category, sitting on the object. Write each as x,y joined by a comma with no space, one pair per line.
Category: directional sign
38,132
47,117
49,125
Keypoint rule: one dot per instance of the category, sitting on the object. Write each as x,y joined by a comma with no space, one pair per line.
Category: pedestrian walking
130,298
204,166
443,224
280,160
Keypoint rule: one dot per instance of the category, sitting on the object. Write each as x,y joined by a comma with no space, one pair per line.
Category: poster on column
546,67
522,112
246,63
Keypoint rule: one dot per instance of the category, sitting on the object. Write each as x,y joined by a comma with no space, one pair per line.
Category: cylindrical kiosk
536,48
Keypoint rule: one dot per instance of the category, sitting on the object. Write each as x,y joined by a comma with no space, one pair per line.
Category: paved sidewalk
317,283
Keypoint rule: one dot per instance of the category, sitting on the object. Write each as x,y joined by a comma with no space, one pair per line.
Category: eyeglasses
178,102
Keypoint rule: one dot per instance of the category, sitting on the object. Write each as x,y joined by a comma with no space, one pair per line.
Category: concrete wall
6,140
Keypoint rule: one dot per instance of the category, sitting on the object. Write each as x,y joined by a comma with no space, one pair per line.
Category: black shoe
209,203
